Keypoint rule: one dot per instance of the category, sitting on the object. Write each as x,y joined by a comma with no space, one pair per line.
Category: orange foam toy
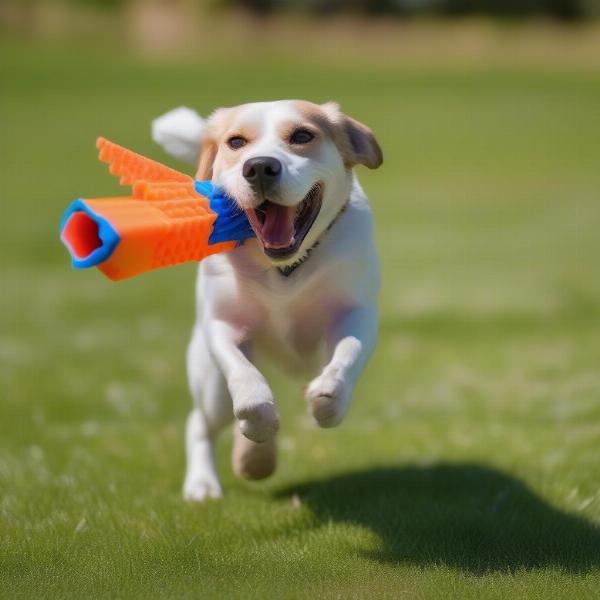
164,222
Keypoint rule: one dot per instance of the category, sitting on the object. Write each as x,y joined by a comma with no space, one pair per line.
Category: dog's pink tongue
278,228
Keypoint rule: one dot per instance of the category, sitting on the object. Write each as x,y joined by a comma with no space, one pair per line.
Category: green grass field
469,465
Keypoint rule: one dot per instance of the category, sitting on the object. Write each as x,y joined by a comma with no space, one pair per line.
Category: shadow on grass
465,516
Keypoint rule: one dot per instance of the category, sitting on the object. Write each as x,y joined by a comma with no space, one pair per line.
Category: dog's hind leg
212,412
253,460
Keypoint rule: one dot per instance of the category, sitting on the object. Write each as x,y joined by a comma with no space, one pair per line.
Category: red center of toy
81,233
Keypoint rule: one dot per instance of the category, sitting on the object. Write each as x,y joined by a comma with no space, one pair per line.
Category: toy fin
147,190
134,167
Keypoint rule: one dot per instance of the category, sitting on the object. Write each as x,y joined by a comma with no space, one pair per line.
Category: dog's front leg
253,403
351,341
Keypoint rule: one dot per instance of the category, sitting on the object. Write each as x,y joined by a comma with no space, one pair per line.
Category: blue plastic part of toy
231,223
108,236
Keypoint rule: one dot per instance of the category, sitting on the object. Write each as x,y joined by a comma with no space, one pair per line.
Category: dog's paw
328,399
258,422
254,406
200,489
251,460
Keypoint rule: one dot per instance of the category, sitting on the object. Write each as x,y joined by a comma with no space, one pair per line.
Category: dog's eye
301,136
236,142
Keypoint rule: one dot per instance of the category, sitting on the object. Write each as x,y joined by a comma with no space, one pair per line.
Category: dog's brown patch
354,140
220,127
317,116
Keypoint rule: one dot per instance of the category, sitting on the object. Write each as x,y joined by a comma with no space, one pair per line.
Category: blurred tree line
560,9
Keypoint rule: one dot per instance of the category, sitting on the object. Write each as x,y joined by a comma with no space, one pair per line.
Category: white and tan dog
304,291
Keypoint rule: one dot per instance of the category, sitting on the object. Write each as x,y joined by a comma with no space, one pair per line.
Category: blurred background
487,219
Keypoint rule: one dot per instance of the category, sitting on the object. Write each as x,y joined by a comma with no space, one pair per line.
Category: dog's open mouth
282,229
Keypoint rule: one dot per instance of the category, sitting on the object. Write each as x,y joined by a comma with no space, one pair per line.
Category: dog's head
288,166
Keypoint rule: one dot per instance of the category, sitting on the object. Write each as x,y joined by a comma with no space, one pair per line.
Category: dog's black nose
263,169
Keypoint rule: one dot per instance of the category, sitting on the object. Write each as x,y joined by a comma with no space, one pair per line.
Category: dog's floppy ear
207,158
356,141
180,133
213,131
